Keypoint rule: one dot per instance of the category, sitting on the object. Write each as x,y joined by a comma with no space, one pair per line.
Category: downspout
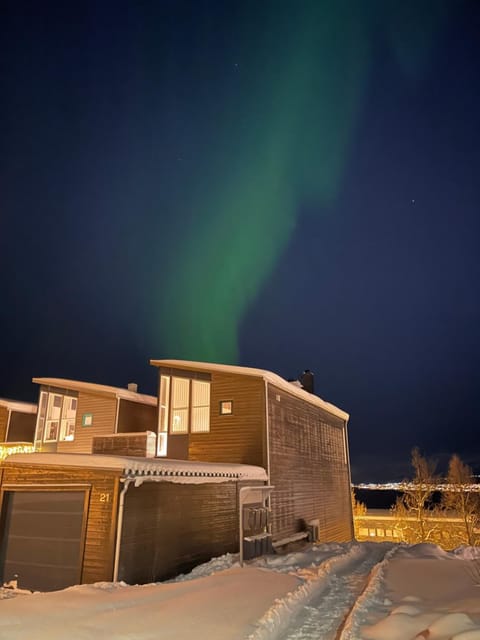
121,505
7,429
267,431
115,429
347,455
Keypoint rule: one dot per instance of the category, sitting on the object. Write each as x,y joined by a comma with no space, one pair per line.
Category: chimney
132,386
306,380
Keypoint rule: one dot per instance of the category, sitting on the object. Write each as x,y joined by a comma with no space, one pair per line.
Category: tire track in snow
326,613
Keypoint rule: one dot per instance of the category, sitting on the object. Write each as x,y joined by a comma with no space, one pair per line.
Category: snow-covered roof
17,405
99,389
146,469
270,377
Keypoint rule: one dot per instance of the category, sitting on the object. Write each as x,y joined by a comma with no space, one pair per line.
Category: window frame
169,408
222,407
45,419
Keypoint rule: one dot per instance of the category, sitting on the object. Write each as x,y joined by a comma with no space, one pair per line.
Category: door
43,537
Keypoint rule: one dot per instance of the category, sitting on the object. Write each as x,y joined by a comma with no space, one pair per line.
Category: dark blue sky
108,114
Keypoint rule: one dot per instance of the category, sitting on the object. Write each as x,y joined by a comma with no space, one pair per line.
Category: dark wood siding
135,416
101,510
103,410
239,437
3,423
21,427
309,469
168,528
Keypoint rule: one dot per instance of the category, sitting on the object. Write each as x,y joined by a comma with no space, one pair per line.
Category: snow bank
430,593
416,593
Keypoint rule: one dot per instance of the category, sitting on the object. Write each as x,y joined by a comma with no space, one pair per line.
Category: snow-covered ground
345,591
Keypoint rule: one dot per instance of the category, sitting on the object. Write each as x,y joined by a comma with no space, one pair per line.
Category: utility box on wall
255,535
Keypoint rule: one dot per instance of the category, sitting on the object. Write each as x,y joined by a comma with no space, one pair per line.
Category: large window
56,417
180,405
184,406
200,406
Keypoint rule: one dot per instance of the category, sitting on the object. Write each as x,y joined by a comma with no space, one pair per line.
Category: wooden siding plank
103,410
169,528
136,417
308,468
236,438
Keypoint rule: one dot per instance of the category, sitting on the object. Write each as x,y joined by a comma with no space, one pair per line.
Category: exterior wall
3,423
139,445
103,410
169,528
21,427
309,469
101,516
239,437
136,417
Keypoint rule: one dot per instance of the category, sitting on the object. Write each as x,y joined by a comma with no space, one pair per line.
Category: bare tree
460,499
358,508
414,508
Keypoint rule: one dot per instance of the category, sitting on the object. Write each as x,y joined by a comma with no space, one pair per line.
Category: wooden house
229,414
72,413
17,421
73,518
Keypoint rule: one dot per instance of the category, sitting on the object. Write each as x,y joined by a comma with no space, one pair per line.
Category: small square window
226,407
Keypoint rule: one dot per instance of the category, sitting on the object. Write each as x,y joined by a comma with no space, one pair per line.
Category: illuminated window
55,417
184,407
226,407
69,411
52,422
200,406
381,533
180,405
363,531
164,404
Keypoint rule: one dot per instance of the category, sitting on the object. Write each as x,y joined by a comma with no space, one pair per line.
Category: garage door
42,542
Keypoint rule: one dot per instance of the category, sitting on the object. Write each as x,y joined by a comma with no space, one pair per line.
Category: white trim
270,377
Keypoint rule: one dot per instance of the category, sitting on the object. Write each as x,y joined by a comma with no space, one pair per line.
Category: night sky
284,185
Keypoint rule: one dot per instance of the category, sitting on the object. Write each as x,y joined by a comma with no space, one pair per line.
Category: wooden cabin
73,518
17,422
229,414
72,413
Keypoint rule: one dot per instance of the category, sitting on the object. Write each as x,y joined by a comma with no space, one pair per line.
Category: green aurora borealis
281,139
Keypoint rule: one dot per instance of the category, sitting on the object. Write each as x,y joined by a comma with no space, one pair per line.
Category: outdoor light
9,449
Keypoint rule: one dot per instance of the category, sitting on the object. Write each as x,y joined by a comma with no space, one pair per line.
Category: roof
146,469
270,377
98,389
17,405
